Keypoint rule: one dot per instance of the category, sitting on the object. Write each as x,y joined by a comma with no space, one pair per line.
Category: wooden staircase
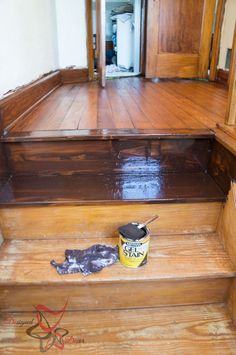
71,193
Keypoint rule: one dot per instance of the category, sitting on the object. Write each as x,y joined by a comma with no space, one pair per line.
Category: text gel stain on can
133,245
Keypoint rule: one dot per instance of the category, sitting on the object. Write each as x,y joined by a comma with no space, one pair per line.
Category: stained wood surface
131,103
226,138
216,39
110,188
179,34
222,166
124,155
230,117
205,329
109,134
101,41
74,75
90,50
16,104
52,222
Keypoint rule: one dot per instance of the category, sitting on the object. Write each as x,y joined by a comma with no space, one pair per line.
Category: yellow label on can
133,253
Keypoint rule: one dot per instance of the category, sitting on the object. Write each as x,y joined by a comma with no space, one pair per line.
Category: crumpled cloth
87,261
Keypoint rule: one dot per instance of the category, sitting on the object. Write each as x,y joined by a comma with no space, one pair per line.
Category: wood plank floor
129,103
194,330
171,257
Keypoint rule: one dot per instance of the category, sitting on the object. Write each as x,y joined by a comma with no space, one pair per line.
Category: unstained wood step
181,269
200,329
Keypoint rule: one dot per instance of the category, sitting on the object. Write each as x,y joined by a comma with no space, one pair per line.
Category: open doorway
123,37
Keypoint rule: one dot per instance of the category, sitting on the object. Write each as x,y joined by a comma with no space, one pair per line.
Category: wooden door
179,34
101,41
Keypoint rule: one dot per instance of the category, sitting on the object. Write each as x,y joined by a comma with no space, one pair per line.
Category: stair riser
40,222
105,156
114,295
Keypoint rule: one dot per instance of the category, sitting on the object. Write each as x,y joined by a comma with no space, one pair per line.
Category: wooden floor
129,103
194,330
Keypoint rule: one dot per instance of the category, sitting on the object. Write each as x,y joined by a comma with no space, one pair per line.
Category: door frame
216,39
89,26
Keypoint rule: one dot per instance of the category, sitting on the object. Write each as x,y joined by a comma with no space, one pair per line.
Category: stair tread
199,329
115,188
178,257
108,134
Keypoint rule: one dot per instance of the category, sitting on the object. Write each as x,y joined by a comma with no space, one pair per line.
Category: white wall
227,31
71,31
28,42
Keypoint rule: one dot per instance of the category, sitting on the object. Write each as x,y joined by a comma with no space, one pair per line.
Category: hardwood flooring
205,329
129,103
181,269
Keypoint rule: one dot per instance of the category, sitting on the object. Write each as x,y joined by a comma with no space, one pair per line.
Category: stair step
201,329
181,269
105,154
115,188
102,219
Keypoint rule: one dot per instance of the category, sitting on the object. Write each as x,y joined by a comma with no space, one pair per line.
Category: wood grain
16,104
222,76
179,38
130,103
222,166
74,75
180,19
205,329
152,36
121,295
108,134
90,51
216,39
181,269
177,66
123,155
110,188
232,301
101,40
227,225
102,221
227,232
230,117
206,37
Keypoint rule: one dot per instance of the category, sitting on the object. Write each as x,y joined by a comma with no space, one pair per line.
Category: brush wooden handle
148,221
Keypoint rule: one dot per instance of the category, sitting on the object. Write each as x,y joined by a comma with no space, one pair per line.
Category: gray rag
87,261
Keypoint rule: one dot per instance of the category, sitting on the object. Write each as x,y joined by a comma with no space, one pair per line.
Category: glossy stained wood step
108,134
106,155
181,269
83,189
205,329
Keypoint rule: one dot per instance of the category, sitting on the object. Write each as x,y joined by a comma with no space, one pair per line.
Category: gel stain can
134,252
